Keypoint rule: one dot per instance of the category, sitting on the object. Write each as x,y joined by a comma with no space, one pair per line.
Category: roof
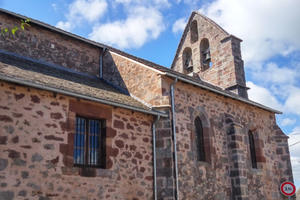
169,72
194,81
20,70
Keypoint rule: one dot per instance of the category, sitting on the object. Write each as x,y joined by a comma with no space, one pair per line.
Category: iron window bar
89,143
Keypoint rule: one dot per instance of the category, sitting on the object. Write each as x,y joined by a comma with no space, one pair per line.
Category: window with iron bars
89,143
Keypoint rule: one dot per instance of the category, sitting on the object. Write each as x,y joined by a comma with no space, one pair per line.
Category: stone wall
228,173
227,70
49,46
164,162
134,78
36,129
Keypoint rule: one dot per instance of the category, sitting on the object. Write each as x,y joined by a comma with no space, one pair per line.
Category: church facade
82,120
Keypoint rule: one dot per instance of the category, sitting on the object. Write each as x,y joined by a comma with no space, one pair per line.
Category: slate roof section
19,69
169,72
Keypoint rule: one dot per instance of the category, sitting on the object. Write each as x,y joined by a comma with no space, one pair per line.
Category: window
187,60
199,139
205,54
252,150
194,31
89,143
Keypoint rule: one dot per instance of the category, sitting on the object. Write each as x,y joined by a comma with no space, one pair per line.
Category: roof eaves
223,93
73,94
172,73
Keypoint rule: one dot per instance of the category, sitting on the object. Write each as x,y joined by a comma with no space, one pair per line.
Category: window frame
200,143
252,149
102,143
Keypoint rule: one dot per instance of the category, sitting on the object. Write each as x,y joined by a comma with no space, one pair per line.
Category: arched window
252,150
205,54
187,60
194,31
199,140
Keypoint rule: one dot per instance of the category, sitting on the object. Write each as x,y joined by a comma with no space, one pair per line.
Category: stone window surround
206,136
100,156
199,140
89,110
259,146
252,149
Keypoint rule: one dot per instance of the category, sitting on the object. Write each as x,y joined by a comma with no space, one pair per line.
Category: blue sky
152,29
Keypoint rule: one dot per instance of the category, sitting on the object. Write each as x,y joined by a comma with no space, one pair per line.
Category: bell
189,68
188,62
207,57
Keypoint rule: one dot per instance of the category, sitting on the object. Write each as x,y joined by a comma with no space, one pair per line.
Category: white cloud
83,10
294,143
287,122
263,96
64,25
191,3
179,25
292,104
267,27
272,73
145,3
282,83
141,25
54,6
295,161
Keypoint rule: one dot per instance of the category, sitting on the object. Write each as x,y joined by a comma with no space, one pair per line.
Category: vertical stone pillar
237,81
237,156
164,160
283,155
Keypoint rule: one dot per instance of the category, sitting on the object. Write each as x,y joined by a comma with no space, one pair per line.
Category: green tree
21,26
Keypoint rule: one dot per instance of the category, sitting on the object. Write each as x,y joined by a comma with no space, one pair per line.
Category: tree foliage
23,23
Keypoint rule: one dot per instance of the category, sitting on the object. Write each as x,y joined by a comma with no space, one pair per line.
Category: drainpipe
154,156
101,63
174,137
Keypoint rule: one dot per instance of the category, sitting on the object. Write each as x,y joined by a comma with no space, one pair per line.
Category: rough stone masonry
38,123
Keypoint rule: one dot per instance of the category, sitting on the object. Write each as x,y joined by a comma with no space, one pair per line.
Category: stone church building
82,120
